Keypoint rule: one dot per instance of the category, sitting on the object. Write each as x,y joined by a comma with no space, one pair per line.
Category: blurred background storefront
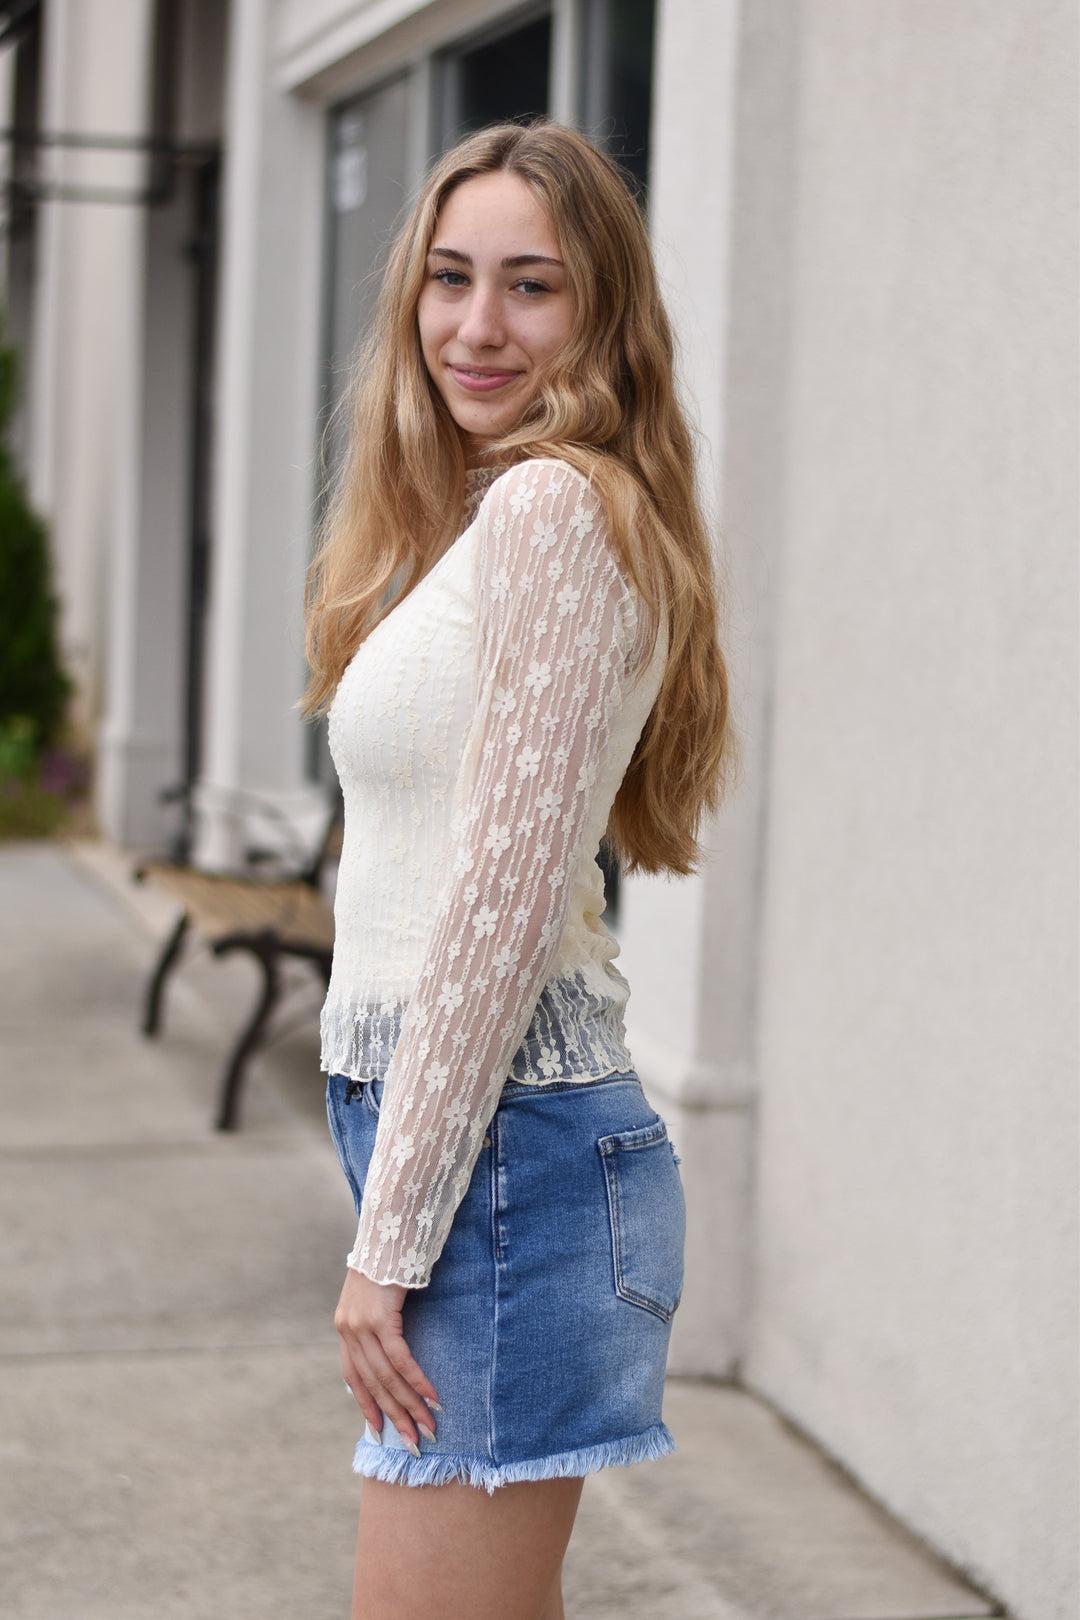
857,1017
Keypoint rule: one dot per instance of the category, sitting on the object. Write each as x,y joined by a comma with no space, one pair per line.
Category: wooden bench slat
218,906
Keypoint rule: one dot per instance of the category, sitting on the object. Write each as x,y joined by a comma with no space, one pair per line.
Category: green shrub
34,688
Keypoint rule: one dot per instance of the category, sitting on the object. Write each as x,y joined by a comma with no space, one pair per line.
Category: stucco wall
915,1273
688,1024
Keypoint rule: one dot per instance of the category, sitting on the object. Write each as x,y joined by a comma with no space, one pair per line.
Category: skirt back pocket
648,1217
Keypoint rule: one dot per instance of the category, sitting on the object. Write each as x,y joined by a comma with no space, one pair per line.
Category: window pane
496,79
617,80
367,182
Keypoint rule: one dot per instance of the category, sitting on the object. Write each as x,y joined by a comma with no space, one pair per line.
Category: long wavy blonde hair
607,405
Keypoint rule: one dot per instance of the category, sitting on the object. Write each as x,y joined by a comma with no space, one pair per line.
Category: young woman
512,621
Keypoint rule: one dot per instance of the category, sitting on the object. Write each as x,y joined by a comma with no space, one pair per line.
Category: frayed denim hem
397,1467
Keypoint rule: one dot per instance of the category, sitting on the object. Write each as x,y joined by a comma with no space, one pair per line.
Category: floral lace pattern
481,733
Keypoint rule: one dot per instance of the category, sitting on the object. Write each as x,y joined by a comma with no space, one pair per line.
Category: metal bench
269,919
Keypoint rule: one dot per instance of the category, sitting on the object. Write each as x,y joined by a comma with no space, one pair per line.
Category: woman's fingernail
348,1386
374,1435
432,1406
426,1432
415,1449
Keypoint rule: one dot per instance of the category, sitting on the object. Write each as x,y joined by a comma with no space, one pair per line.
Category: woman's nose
482,323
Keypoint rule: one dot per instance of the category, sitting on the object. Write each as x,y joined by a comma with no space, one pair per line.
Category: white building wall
688,944
915,1270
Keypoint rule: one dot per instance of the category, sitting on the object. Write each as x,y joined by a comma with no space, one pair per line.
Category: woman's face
495,305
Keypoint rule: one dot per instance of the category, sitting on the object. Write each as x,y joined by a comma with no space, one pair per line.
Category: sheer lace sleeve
559,643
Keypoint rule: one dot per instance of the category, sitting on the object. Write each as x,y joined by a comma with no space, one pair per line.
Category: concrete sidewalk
174,1431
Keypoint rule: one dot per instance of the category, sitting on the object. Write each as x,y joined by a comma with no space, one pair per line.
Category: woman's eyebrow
514,263
530,258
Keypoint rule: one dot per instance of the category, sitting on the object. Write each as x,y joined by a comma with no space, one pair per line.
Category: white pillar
140,739
265,452
689,944
86,324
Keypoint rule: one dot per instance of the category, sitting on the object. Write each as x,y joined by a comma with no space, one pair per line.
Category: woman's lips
481,379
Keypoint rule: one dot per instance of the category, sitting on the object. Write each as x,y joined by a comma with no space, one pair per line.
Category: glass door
616,80
367,187
367,181
505,73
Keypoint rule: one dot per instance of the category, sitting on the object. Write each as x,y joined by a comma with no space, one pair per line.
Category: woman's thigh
444,1552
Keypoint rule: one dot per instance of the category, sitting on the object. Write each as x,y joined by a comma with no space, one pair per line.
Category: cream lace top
480,734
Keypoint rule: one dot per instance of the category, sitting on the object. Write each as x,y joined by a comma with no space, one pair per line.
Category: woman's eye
532,289
450,278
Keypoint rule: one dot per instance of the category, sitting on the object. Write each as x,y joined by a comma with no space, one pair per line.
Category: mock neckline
478,480
481,477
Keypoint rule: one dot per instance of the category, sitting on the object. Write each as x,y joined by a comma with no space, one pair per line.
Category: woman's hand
378,1364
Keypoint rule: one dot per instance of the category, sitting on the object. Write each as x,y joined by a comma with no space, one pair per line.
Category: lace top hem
575,1033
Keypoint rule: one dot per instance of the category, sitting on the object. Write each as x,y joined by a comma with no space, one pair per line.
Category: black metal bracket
174,152
263,947
165,963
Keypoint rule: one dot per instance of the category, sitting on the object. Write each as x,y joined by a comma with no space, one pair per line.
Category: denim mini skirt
545,1325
